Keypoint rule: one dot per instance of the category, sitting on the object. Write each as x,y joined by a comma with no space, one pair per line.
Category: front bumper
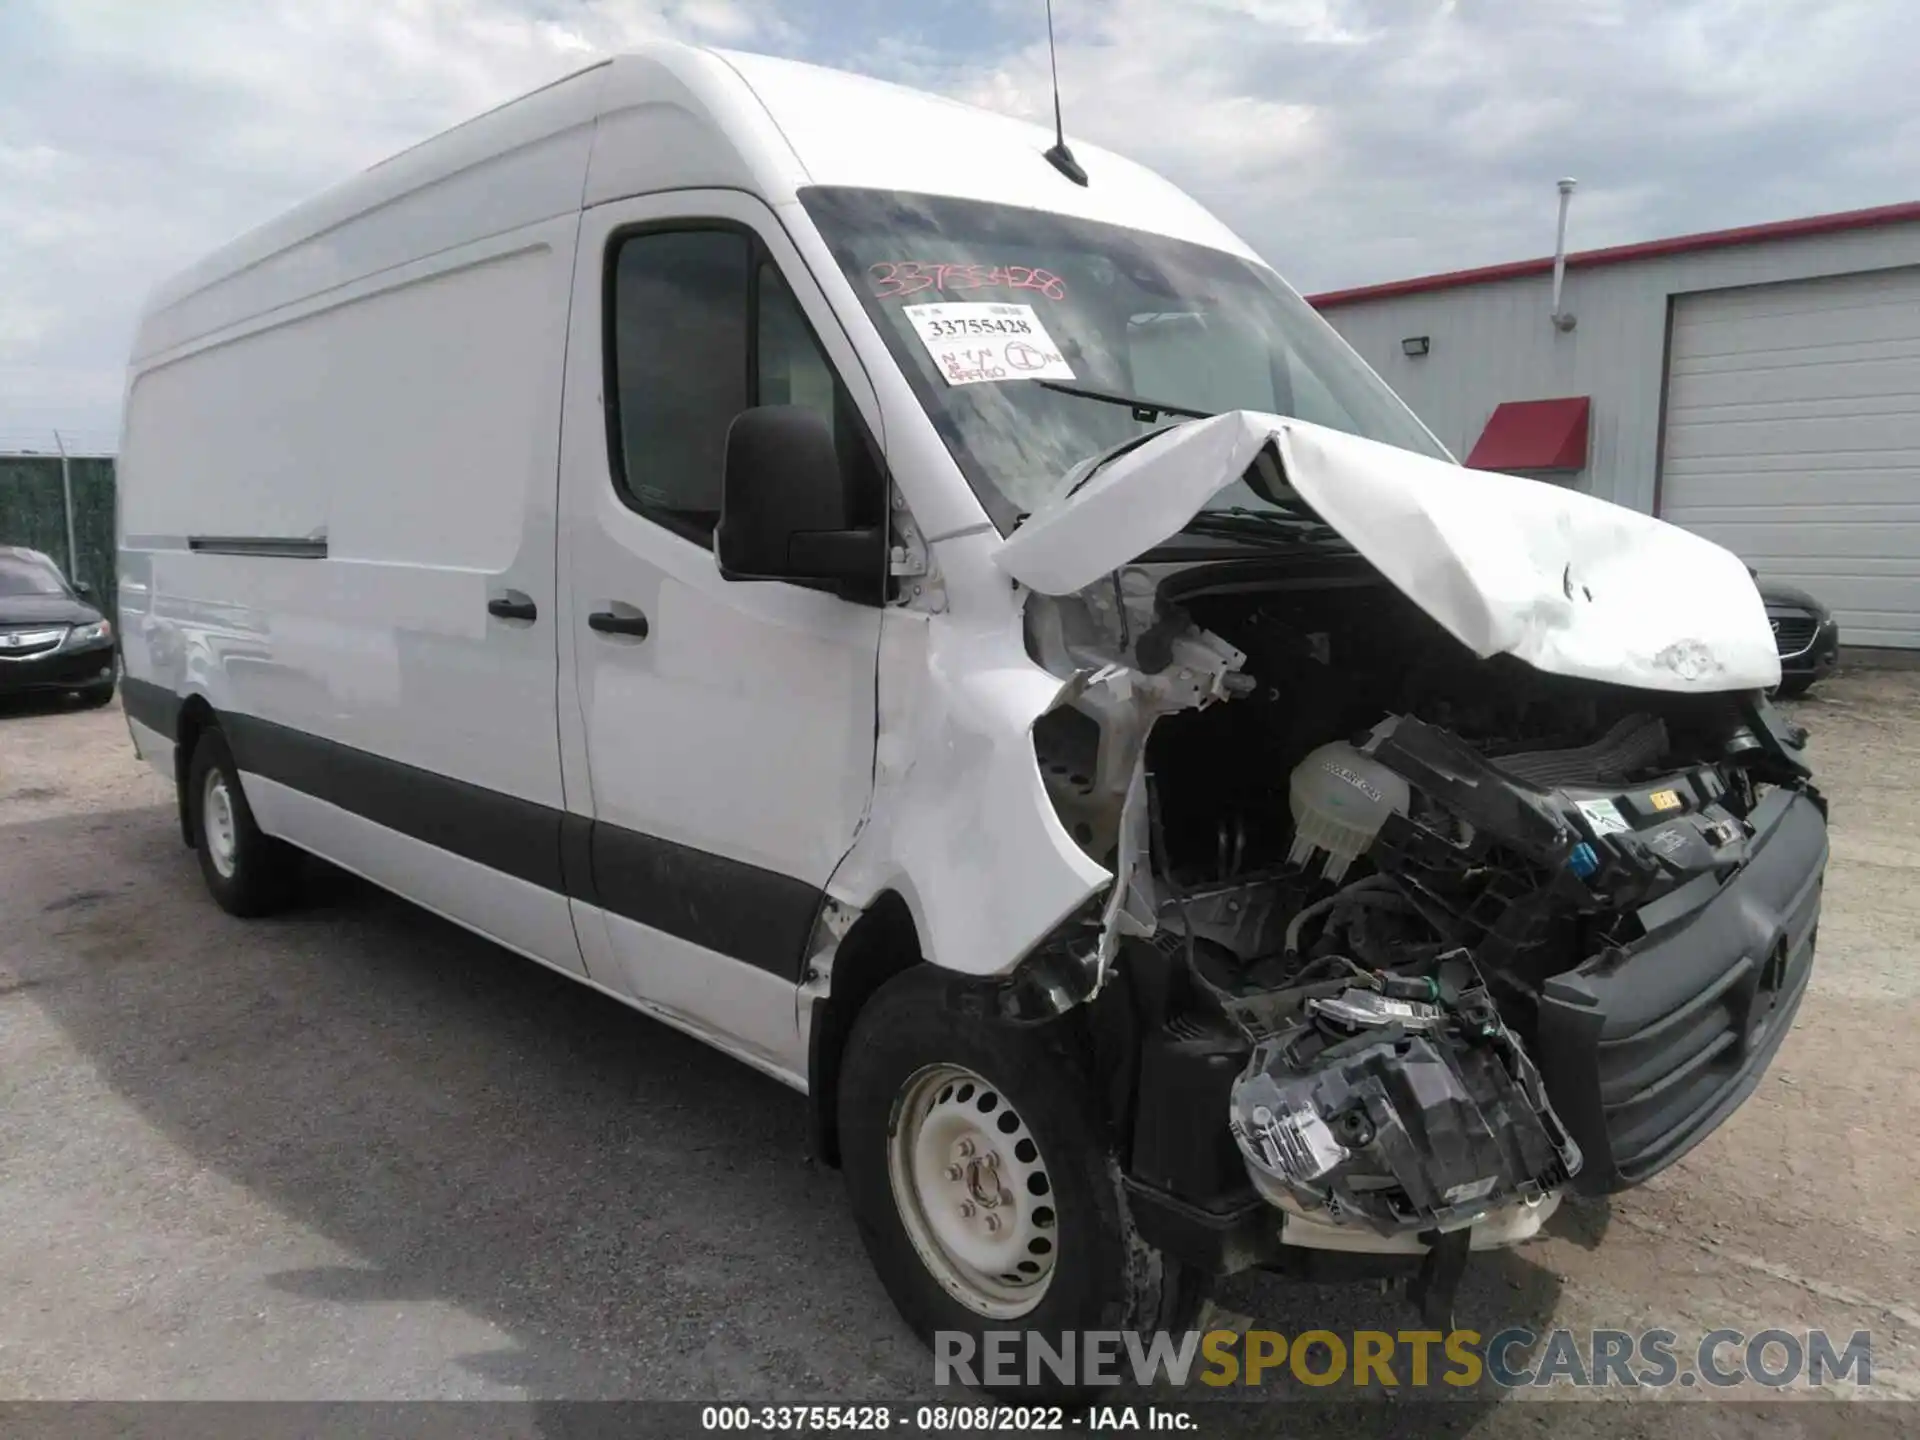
1645,1050
58,670
1256,1232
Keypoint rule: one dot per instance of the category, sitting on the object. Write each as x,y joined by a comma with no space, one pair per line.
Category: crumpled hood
1570,584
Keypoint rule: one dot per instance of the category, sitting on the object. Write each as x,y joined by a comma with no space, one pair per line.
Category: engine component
1340,800
1401,1114
1637,742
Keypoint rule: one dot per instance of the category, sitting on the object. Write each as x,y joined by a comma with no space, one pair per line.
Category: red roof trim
1620,254
1534,435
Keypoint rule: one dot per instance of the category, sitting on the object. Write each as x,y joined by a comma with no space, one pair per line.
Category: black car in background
51,639
1805,631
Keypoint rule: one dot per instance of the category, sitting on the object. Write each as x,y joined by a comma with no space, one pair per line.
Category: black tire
261,874
1105,1276
1792,687
96,697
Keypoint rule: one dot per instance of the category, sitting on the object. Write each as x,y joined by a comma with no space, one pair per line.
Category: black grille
1793,631
1647,1049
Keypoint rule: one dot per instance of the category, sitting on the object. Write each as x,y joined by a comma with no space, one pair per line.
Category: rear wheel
247,871
982,1180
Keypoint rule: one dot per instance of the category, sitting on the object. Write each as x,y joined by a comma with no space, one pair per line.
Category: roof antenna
1060,157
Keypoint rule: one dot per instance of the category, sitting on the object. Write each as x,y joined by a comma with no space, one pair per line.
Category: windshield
20,576
1004,319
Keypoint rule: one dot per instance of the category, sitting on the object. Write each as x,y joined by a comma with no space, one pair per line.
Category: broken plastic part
1437,1282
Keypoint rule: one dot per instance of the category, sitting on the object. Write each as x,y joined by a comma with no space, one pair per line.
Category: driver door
717,735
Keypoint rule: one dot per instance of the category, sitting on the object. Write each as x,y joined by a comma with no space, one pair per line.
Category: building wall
1493,342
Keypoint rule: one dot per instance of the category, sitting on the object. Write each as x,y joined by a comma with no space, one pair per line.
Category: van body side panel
324,505
496,174
517,913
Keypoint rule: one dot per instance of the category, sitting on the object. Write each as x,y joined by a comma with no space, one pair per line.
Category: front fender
961,826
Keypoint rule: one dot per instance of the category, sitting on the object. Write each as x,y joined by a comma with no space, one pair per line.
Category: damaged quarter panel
960,823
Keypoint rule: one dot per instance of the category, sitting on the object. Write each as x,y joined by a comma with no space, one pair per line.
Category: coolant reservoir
1340,799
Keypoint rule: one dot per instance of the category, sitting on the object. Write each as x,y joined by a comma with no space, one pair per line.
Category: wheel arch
881,944
196,718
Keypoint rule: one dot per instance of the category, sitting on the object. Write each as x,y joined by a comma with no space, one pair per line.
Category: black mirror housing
785,513
83,589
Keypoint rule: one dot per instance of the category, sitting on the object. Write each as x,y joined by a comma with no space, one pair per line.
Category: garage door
1793,438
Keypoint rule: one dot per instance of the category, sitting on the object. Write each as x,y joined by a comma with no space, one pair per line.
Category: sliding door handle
609,623
512,605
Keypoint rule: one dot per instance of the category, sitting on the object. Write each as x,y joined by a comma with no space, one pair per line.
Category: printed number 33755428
973,325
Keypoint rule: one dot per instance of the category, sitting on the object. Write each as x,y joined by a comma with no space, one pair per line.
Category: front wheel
982,1179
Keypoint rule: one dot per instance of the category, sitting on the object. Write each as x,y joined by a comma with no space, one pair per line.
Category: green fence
33,512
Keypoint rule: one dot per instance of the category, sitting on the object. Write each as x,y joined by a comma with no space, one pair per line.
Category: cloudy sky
1349,140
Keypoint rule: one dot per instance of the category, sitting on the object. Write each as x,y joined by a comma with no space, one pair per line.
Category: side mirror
784,506
83,590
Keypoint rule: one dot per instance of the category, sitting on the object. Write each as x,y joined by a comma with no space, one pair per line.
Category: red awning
1534,435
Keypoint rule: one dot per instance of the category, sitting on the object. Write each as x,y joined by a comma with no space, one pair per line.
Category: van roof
669,116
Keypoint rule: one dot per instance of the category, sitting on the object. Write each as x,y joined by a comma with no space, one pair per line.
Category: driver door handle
608,623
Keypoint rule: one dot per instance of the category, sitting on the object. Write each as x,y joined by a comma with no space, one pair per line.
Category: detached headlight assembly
89,634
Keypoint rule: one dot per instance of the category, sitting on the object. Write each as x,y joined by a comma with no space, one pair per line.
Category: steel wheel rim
216,819
972,1191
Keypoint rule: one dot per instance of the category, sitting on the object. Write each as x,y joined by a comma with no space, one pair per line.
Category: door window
680,369
792,371
701,327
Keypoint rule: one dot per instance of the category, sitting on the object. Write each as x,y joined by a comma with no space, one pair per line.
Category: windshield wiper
1145,411
1237,521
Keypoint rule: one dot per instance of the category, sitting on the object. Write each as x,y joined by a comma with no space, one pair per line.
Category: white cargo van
975,646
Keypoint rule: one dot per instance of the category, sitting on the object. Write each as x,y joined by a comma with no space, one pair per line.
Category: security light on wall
1414,346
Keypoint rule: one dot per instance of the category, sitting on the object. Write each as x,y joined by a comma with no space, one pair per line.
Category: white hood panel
1569,584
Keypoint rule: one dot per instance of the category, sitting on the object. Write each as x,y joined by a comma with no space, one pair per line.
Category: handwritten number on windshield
893,279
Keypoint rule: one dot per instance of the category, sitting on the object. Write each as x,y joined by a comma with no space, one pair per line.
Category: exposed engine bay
1412,918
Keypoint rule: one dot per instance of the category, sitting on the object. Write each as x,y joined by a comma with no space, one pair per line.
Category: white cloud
155,132
1357,140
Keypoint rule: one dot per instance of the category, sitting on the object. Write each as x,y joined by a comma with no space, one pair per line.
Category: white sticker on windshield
1604,816
973,342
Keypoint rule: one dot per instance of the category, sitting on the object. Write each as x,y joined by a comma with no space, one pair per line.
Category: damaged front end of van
1458,859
